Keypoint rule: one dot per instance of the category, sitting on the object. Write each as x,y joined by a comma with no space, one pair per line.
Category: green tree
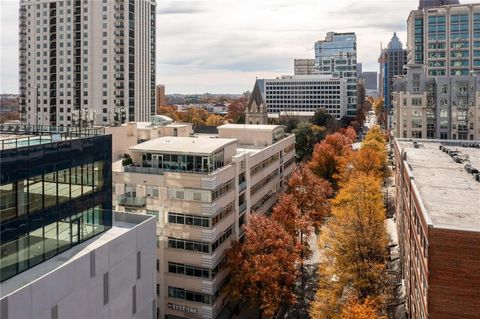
306,136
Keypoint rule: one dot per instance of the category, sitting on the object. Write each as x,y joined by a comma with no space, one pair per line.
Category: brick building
438,220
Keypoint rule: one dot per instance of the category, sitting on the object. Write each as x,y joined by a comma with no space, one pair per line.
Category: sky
222,46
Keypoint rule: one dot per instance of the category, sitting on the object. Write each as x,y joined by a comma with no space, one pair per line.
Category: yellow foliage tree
356,310
355,239
214,120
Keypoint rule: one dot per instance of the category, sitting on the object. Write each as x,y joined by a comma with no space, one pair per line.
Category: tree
236,110
326,156
306,136
263,270
214,120
357,310
311,194
168,110
323,119
195,116
357,236
355,241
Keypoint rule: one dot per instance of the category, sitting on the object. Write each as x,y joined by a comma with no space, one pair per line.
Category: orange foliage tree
262,269
327,154
195,116
357,310
236,110
311,194
168,110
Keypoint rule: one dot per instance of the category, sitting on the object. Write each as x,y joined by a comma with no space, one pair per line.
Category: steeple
395,43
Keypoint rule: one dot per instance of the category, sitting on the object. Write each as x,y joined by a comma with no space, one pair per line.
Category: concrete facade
305,93
436,107
201,203
109,276
438,221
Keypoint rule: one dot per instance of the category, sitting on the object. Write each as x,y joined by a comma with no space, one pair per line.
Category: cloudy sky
221,46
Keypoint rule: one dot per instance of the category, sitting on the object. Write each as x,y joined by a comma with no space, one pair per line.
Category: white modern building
201,190
302,93
87,62
111,275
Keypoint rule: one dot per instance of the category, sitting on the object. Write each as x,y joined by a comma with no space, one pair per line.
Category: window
193,271
152,191
192,220
179,293
179,195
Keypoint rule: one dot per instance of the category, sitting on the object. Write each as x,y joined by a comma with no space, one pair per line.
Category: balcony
131,201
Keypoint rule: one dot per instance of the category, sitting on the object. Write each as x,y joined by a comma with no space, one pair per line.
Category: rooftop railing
42,134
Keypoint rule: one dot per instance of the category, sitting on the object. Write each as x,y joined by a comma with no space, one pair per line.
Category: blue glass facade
52,196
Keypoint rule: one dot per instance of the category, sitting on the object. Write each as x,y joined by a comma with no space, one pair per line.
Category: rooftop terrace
450,194
22,135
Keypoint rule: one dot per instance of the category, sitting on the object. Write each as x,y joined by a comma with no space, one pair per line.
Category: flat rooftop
122,223
184,145
449,193
148,125
251,127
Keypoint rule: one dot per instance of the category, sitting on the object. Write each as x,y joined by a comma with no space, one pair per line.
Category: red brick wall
454,274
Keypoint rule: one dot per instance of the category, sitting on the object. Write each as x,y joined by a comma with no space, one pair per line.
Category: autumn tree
236,110
214,120
263,271
327,154
311,194
355,309
195,116
355,239
168,110
306,136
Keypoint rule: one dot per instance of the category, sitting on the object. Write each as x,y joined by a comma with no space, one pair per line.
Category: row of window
194,271
180,293
200,221
223,189
199,246
263,182
267,162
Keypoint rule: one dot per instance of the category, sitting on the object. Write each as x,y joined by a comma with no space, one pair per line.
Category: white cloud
222,45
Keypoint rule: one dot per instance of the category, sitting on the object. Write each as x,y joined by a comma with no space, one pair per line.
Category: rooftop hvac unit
476,177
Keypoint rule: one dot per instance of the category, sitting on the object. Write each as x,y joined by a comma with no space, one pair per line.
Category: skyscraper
446,40
337,55
435,3
90,61
392,61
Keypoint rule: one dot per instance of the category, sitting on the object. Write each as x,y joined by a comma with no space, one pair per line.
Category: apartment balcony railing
131,201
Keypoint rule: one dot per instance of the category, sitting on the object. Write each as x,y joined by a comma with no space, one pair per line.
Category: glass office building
337,56
445,39
55,192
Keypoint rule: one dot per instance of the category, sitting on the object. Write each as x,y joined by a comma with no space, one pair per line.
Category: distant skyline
221,46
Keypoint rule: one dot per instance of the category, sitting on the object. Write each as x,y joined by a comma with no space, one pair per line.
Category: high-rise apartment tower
87,62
